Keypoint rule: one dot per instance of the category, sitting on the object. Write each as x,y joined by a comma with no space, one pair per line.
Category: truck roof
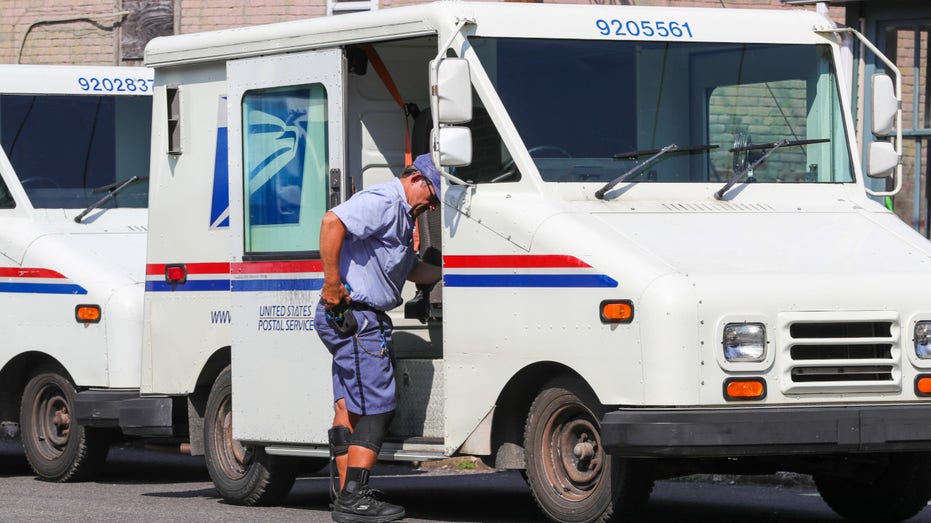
72,79
493,19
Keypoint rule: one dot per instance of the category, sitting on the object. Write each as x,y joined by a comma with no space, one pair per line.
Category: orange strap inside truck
385,76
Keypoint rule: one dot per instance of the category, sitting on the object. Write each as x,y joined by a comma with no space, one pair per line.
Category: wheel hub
53,421
581,452
61,424
234,457
584,451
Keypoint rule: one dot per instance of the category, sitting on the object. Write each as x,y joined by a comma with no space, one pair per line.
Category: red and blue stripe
519,270
31,280
522,270
239,277
211,276
277,276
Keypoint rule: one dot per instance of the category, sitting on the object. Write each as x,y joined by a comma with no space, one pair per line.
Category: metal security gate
907,44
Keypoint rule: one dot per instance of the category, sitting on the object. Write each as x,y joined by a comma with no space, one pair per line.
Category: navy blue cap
424,164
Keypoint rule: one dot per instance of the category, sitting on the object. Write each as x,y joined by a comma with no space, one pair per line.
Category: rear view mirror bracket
450,104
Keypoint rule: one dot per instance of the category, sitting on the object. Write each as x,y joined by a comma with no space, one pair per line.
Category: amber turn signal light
616,311
87,313
744,389
923,385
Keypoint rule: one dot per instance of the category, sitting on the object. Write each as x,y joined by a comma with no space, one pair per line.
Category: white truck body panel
201,235
526,264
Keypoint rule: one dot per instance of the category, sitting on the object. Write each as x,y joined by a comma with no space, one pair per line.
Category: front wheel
893,488
242,474
57,447
570,475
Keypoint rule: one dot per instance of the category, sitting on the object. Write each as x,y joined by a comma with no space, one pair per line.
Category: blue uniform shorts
363,363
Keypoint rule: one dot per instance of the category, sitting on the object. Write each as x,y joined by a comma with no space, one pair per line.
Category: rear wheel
571,476
56,446
243,474
894,488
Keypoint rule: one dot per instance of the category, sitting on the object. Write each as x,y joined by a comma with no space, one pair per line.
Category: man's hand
334,294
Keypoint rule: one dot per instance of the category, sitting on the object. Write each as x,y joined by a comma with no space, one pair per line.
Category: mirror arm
434,112
895,190
898,96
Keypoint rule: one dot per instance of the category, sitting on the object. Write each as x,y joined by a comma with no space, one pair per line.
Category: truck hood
117,258
776,243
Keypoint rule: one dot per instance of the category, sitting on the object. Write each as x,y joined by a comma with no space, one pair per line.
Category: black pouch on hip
342,319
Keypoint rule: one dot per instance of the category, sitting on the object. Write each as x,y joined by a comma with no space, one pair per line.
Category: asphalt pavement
142,487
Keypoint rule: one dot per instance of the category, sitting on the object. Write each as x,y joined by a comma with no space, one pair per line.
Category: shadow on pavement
124,465
12,460
487,497
128,465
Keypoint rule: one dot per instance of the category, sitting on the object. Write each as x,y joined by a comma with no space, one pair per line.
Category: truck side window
6,199
285,168
491,161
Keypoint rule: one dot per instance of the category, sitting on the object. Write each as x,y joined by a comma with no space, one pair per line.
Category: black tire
57,447
570,475
893,489
242,474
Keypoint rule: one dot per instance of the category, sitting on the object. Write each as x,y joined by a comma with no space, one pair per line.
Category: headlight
747,342
923,339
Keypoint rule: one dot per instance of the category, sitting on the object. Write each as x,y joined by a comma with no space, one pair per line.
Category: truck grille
825,353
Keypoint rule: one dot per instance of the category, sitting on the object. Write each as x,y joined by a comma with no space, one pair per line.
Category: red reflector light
175,273
923,385
87,313
744,389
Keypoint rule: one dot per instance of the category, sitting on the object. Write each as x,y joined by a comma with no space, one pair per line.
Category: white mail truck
73,197
660,255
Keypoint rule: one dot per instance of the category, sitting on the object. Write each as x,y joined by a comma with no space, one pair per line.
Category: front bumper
765,431
135,415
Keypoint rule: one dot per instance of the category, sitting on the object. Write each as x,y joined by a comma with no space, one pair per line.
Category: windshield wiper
643,152
112,190
772,146
780,143
600,193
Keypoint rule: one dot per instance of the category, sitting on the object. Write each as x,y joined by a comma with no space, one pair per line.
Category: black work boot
357,503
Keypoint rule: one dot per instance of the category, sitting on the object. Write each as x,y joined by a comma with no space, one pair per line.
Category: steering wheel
509,169
740,159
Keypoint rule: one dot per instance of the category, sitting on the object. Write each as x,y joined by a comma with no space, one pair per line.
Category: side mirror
452,87
884,106
455,146
882,158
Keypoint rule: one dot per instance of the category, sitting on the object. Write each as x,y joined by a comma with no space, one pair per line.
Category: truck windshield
63,147
586,110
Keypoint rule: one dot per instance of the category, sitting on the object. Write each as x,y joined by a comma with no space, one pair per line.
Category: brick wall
208,15
58,31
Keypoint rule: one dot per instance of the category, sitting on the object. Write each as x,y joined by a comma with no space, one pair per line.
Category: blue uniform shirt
378,251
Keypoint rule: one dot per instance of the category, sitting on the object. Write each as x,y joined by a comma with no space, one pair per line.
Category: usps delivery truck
659,253
73,198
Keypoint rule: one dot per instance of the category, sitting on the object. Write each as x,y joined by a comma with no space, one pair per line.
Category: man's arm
332,233
424,273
